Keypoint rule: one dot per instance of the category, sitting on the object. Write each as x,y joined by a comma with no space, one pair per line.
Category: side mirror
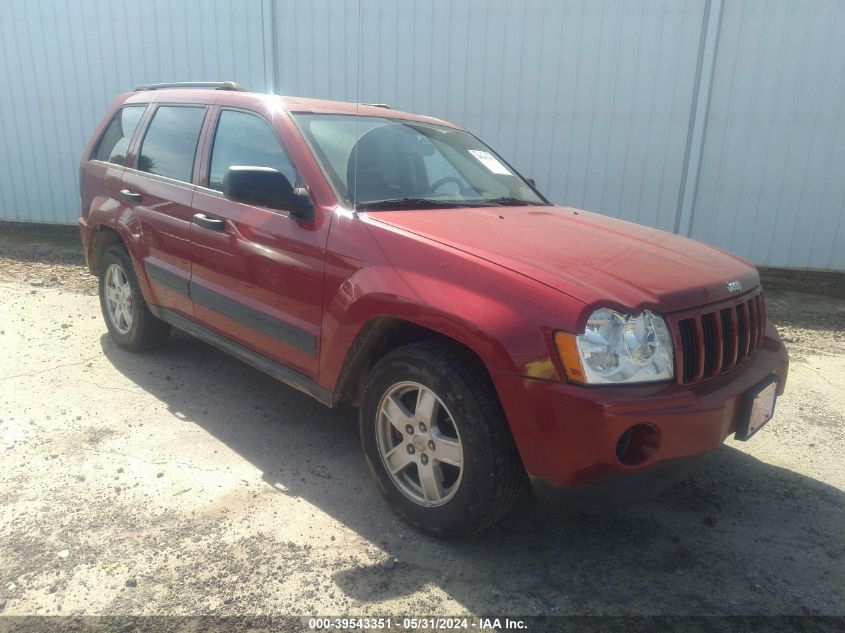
531,182
265,187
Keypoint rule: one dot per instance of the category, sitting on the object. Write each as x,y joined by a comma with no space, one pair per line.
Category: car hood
594,258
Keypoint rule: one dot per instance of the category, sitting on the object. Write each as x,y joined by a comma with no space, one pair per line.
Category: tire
490,478
141,331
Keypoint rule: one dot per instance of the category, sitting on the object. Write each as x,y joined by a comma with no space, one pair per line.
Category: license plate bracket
758,407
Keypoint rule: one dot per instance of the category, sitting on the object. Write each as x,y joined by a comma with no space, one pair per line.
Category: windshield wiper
431,203
420,203
513,202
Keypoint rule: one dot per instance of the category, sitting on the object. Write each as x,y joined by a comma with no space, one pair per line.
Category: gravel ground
184,482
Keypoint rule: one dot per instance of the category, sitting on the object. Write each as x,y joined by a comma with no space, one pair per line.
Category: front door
257,274
159,188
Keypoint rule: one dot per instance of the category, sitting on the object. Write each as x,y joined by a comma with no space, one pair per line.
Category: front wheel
437,441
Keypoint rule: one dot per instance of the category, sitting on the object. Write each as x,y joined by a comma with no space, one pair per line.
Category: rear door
257,273
159,187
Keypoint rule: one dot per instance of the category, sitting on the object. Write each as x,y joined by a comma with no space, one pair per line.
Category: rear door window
246,139
115,140
170,143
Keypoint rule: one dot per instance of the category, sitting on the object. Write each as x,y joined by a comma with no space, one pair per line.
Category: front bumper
567,434
611,494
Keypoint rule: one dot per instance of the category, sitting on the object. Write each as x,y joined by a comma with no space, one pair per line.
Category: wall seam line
268,30
696,135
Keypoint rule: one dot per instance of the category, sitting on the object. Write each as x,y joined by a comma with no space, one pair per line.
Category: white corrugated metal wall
721,119
63,62
772,177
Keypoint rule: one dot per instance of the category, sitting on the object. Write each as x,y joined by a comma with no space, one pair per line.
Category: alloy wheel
419,444
118,299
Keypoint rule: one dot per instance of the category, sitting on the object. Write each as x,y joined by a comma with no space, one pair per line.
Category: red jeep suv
394,262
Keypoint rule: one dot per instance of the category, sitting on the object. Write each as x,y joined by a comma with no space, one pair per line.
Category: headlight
617,348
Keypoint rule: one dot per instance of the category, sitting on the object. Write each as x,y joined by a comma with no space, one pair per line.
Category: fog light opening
637,444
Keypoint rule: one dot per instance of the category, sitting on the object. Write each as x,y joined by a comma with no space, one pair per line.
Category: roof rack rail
213,85
378,105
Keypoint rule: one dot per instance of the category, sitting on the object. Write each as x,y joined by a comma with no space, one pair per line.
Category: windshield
382,163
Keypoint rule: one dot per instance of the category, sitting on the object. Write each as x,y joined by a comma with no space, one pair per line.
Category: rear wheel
128,319
437,441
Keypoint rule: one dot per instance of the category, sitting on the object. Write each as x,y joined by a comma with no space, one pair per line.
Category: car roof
262,101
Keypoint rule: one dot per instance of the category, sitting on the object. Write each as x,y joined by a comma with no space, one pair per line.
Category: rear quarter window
114,142
170,143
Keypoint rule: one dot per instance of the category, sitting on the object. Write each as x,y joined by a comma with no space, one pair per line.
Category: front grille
708,329
719,339
688,342
728,342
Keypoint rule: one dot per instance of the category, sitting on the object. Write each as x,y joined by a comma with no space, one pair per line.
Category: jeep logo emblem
733,286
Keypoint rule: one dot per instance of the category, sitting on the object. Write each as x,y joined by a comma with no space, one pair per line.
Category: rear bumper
85,236
567,434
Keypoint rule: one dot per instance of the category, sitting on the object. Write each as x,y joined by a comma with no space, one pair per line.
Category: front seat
384,164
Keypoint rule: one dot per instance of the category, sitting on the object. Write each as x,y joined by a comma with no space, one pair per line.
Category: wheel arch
102,238
378,336
104,235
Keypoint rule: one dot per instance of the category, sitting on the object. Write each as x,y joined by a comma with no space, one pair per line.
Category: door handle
134,196
214,224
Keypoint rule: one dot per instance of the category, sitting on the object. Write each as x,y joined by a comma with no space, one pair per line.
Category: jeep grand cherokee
394,262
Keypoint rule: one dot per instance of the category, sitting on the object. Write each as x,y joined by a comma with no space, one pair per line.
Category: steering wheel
446,179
